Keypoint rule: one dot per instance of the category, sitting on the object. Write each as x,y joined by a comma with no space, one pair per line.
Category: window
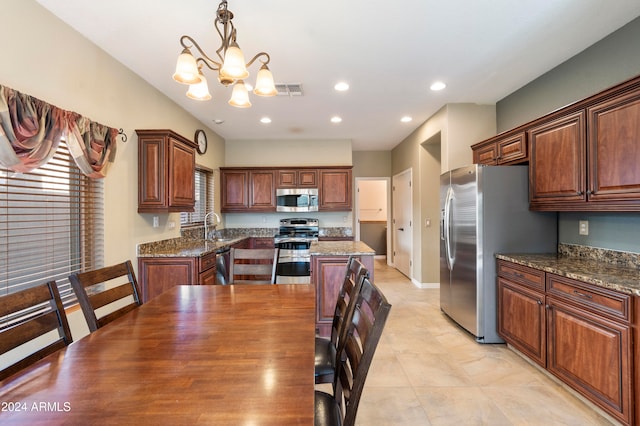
204,198
51,225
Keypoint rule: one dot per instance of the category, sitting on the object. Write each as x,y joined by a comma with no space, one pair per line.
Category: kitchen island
328,267
167,263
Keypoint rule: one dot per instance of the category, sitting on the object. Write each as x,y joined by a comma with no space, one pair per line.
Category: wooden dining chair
107,293
354,358
253,266
27,316
326,348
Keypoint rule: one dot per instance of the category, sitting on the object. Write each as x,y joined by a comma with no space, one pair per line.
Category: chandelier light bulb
186,69
240,96
264,83
199,91
234,66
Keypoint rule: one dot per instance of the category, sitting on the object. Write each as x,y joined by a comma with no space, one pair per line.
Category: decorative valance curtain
30,131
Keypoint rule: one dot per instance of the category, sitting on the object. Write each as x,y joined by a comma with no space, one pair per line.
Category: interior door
402,222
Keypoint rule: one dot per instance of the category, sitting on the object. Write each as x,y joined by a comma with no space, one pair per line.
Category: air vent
289,89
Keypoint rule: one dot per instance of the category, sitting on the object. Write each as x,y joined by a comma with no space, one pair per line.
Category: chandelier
229,64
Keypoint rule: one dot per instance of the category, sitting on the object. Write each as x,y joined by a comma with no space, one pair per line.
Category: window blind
204,188
51,225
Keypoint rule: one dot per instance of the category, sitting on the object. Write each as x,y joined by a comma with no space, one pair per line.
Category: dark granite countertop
603,273
193,247
340,248
184,247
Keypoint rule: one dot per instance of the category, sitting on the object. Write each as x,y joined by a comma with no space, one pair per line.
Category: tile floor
427,371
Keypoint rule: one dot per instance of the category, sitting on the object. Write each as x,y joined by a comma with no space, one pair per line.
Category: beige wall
291,152
45,58
439,144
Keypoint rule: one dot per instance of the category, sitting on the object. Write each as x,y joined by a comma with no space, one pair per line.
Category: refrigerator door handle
447,229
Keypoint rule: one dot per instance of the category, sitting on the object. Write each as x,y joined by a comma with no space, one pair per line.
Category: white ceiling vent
289,89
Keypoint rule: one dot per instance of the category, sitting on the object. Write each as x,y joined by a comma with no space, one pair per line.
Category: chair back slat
253,266
102,287
31,314
354,359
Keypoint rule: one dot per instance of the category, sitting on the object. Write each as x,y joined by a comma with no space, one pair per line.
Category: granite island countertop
340,248
193,247
624,278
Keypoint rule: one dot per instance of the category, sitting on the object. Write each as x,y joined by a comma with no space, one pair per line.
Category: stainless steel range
294,238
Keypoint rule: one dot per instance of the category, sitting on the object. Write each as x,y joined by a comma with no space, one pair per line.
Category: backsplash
198,231
619,258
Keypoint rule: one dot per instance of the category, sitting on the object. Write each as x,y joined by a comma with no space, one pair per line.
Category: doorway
372,214
402,223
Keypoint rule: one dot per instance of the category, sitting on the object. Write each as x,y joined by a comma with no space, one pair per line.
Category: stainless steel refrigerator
484,210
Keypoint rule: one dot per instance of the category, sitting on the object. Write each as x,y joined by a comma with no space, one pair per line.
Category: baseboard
425,285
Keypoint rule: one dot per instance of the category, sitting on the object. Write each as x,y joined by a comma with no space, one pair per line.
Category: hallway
427,371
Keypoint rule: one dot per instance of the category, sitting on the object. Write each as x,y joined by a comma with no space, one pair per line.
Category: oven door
294,262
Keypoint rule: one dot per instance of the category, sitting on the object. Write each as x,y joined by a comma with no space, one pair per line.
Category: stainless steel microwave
297,199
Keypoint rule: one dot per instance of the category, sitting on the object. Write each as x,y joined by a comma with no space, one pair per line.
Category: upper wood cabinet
247,190
588,160
335,189
509,148
166,167
254,189
557,160
297,178
613,150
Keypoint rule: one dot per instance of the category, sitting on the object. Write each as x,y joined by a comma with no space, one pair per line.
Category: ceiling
389,52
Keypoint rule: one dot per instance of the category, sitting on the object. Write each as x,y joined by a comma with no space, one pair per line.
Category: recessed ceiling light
336,119
438,85
406,119
341,86
265,120
218,121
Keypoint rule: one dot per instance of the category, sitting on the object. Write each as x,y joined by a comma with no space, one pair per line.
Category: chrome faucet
206,225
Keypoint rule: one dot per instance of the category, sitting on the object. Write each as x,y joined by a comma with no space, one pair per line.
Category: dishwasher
222,259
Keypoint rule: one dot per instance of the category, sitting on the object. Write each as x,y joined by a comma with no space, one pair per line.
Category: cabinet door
591,354
512,149
614,149
235,190
287,178
157,275
521,319
327,275
486,154
307,179
182,161
557,160
335,190
151,172
207,277
262,191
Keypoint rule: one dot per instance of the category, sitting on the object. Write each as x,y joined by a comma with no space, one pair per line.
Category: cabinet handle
579,192
586,296
589,192
539,302
518,274
547,307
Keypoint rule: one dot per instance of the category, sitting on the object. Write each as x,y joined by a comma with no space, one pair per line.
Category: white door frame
408,171
357,211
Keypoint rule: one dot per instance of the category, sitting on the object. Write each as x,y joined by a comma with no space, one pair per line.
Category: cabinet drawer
207,261
596,299
530,277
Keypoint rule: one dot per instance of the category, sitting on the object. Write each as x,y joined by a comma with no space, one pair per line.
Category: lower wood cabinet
327,274
579,332
158,274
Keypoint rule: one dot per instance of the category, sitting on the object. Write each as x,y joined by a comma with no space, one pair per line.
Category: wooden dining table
219,355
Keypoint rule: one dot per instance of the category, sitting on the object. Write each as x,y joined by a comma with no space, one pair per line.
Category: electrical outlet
584,227
172,224
156,222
